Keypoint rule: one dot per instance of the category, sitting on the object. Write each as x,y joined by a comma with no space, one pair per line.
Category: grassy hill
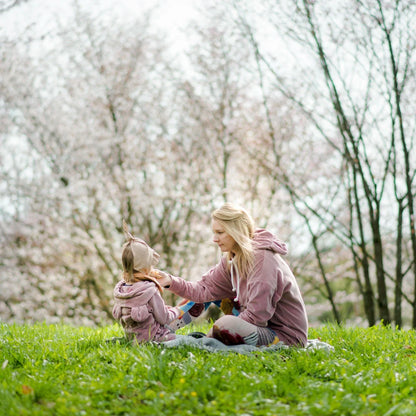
63,370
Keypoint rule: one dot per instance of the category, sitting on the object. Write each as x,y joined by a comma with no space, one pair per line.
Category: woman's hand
163,278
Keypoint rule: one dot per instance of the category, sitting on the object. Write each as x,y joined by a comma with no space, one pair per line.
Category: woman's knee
232,330
228,322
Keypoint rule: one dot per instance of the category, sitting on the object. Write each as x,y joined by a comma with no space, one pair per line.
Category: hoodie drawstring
236,286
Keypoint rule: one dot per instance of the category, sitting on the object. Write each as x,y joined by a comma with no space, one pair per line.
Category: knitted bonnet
144,256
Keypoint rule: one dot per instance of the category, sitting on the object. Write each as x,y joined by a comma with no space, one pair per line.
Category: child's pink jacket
269,296
142,311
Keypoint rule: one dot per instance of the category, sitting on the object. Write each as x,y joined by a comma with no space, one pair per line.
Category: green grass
63,370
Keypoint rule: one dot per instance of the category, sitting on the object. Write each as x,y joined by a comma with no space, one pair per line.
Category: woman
253,273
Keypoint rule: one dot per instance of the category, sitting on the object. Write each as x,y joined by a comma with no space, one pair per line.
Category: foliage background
301,111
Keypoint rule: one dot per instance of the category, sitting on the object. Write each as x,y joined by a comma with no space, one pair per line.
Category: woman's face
224,241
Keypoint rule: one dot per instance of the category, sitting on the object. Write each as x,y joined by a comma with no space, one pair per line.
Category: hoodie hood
265,240
127,295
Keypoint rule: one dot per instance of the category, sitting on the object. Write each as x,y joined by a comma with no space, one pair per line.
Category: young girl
139,306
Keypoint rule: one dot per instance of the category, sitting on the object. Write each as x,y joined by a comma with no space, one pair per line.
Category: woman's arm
214,285
163,278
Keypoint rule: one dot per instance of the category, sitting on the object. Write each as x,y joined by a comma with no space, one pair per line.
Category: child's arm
163,313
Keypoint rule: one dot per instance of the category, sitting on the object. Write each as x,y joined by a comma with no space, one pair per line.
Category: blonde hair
239,225
130,275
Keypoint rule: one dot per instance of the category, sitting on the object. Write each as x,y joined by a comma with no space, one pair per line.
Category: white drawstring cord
236,287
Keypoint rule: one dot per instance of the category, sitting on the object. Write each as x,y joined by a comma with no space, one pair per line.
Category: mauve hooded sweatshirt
142,311
269,296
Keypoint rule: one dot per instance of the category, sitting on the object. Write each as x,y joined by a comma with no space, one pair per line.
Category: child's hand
163,278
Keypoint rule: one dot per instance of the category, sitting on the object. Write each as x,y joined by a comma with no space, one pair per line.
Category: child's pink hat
144,256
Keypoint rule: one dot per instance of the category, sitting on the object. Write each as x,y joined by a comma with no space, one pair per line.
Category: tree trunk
399,275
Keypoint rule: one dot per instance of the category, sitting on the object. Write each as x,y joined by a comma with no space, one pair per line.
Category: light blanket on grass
213,345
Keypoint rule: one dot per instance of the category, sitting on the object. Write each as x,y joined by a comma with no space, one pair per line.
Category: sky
169,15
